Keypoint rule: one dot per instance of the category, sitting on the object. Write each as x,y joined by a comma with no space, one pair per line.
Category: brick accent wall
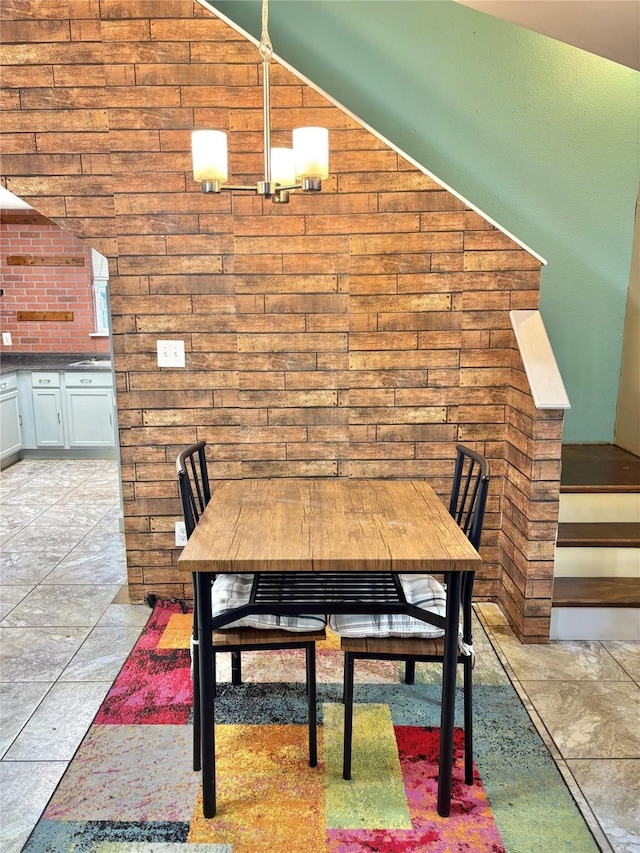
357,333
61,286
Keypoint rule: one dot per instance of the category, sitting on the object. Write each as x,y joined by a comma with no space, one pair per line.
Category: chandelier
302,167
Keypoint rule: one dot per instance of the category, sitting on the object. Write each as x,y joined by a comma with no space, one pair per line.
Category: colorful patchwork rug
130,787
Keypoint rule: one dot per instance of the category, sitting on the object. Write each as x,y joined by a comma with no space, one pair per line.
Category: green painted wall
541,136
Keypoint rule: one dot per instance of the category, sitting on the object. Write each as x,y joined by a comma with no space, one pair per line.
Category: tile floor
63,641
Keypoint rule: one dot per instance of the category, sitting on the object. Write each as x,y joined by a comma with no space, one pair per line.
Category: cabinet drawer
8,383
88,379
45,379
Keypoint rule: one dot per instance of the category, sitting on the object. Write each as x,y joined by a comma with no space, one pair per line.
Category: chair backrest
193,481
467,505
469,492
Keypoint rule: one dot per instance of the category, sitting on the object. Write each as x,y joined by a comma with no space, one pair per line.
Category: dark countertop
9,362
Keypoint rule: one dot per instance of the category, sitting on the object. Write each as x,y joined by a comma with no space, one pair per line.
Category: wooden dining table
314,545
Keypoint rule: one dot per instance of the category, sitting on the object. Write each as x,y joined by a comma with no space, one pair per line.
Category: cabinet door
90,417
10,440
47,412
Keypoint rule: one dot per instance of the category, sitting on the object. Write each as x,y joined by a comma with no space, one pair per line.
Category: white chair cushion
233,590
422,590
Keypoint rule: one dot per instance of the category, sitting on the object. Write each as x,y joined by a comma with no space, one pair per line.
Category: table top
329,525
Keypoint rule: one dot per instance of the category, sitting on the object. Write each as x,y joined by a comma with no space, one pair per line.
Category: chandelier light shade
311,152
209,152
283,166
302,167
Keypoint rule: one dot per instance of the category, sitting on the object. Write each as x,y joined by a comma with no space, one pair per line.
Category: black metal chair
414,641
290,633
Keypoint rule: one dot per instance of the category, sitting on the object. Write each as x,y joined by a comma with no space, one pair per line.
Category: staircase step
603,534
596,589
599,506
599,468
596,592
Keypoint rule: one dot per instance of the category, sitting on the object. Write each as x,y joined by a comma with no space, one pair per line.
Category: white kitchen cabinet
64,412
47,409
90,409
10,432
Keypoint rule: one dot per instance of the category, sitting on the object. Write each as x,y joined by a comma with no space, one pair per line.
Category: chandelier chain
266,48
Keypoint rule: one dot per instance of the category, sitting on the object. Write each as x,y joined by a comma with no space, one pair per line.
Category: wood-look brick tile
398,415
447,261
316,342
309,450
390,264
500,261
197,30
486,240
302,264
382,341
373,223
443,241
327,323
296,302
444,221
125,30
308,416
402,359
212,342
187,265
407,302
260,323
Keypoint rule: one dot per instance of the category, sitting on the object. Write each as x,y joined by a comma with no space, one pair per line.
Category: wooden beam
45,261
45,316
23,217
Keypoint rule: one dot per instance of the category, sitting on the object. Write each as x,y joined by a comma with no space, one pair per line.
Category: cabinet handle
44,381
59,418
86,381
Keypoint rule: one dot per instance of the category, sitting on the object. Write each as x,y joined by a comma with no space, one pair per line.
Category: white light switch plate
170,353
6,339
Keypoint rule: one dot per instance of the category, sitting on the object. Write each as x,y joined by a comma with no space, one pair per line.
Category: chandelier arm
239,188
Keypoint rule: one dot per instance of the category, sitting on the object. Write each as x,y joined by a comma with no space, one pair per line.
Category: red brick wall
361,332
59,287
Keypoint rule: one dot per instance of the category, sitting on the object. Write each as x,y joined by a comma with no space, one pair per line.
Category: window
100,293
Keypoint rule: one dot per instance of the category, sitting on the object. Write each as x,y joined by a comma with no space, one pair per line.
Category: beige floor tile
589,719
627,655
612,787
560,660
584,806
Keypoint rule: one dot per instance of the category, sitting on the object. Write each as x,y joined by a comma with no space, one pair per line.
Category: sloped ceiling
608,28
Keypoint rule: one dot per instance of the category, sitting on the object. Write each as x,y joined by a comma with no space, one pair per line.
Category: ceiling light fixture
302,167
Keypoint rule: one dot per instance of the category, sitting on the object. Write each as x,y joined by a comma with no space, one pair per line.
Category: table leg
207,693
448,693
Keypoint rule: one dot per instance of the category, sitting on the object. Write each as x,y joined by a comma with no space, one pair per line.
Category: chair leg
310,653
195,677
195,660
410,671
348,714
236,668
468,720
